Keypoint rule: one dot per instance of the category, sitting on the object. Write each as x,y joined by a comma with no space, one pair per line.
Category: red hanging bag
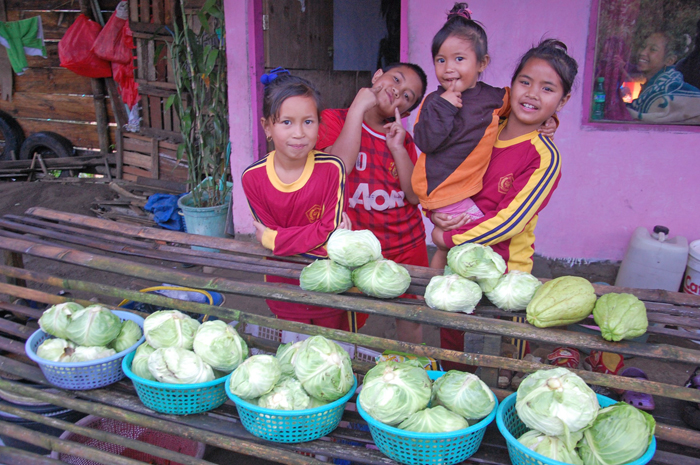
115,42
75,53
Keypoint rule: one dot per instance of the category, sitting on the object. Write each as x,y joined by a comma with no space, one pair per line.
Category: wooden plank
156,112
145,12
157,11
135,172
170,170
52,81
54,23
155,162
81,135
162,134
145,112
137,159
59,5
51,60
155,90
134,143
57,106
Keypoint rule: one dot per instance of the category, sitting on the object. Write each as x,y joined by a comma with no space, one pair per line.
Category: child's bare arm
347,145
395,136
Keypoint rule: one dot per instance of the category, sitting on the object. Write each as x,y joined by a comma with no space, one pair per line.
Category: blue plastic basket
411,448
80,376
177,399
291,426
511,427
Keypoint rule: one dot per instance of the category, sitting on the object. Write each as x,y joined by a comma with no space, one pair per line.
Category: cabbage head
434,420
464,394
556,402
86,354
472,260
620,316
170,328
220,346
452,293
620,434
286,354
139,365
514,291
353,248
55,320
393,391
256,376
93,326
552,447
383,278
128,336
175,365
325,276
55,350
287,395
324,368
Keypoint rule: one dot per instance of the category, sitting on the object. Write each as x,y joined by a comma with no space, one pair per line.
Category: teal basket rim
292,413
512,440
126,366
42,361
414,435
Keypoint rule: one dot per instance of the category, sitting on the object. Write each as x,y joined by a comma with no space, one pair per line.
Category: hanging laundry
22,38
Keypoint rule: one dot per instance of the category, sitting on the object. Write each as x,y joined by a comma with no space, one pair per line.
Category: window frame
588,78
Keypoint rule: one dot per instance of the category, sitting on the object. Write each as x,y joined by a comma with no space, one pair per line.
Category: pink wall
612,180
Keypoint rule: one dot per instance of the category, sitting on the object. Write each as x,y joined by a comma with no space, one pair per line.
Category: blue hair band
270,76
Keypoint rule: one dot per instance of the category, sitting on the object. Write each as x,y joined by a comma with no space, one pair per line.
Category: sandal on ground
564,357
637,399
505,377
603,362
690,411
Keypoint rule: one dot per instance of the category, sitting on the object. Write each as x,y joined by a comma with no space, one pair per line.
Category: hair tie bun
465,13
270,76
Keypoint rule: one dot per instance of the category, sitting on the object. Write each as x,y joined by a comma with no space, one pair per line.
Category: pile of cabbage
355,259
82,334
401,394
180,350
567,424
302,375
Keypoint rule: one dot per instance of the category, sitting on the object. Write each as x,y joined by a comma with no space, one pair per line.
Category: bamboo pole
160,424
105,436
23,457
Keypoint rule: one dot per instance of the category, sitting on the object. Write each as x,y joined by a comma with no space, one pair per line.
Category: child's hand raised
366,98
452,96
345,223
259,230
395,132
548,128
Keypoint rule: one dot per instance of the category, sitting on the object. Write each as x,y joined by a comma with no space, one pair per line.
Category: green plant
199,64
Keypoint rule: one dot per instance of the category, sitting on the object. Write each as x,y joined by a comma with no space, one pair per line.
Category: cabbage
561,301
452,293
487,284
220,346
514,291
256,376
393,391
325,276
551,446
170,328
287,395
54,350
139,365
286,354
472,260
128,336
556,402
353,248
175,365
324,369
434,420
382,278
93,326
55,320
620,316
620,434
86,354
464,394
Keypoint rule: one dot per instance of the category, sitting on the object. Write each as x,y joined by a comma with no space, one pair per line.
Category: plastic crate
291,426
80,376
412,448
511,427
177,399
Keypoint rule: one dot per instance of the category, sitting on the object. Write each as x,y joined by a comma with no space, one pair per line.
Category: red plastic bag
74,50
116,40
128,87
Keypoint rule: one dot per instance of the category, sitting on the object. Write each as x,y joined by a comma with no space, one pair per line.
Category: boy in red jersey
379,157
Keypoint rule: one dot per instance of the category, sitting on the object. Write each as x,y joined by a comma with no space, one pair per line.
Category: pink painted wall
613,180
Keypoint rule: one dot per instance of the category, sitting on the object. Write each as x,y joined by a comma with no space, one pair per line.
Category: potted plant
198,53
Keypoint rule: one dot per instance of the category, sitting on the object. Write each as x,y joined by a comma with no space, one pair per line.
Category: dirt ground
74,197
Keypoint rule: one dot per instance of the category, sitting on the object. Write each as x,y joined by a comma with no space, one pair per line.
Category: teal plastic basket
291,426
427,448
511,427
177,399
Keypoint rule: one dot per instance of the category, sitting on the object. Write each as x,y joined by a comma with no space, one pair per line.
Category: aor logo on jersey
314,213
379,200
